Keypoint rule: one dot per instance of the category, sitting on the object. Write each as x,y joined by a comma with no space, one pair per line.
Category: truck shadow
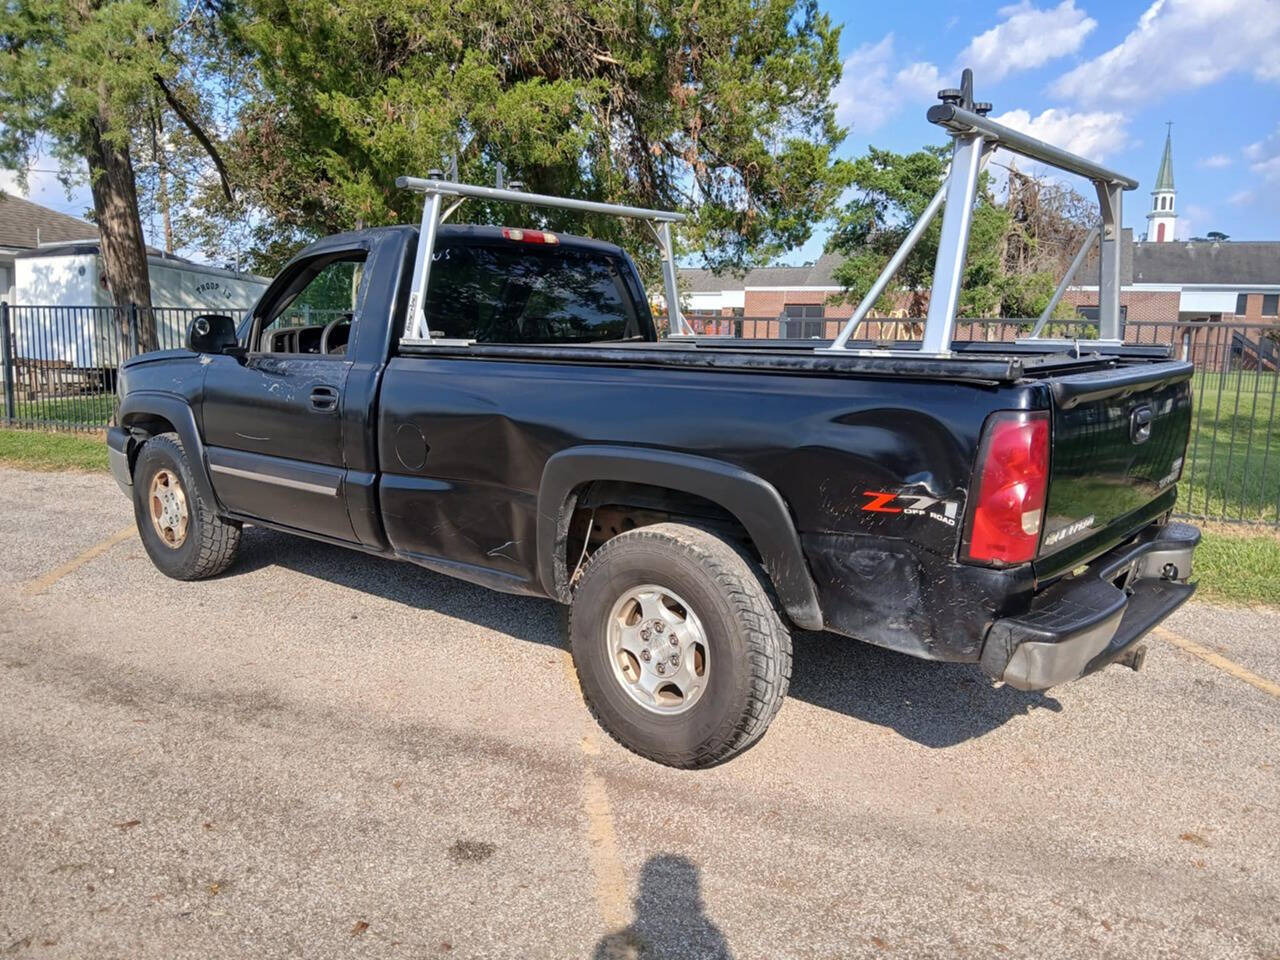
934,704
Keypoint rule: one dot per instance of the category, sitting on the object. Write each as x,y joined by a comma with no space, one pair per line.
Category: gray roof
1232,263
22,221
817,274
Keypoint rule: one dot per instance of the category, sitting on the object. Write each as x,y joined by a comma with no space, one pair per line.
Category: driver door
273,426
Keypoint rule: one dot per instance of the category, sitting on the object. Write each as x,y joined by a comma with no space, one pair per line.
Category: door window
317,310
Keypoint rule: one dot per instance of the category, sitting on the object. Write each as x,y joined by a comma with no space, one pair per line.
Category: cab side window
315,313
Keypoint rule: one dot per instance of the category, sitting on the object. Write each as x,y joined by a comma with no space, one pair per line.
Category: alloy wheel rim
168,504
658,649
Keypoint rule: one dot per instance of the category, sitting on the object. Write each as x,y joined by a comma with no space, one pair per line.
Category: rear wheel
680,650
185,539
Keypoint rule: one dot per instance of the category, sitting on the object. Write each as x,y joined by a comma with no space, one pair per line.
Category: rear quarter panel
830,445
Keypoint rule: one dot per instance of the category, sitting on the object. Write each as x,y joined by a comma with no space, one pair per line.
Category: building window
1242,304
803,321
1091,313
1270,304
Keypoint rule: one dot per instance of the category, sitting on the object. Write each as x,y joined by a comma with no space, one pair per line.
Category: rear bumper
118,439
1084,622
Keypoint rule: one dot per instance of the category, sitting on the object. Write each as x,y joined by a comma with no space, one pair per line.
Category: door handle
324,398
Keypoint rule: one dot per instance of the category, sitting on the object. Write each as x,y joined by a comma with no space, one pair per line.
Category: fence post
6,355
133,329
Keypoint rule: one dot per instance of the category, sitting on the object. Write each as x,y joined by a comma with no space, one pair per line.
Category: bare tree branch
197,131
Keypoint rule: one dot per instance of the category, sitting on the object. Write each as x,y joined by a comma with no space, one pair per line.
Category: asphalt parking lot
325,754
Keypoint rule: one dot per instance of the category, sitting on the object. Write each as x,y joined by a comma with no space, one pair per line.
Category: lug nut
644,634
674,641
645,655
675,659
662,668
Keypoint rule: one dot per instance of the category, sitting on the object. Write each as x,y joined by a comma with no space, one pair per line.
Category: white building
1162,218
71,275
83,331
25,225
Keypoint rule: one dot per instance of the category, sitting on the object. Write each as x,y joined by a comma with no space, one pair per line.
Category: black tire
749,662
209,544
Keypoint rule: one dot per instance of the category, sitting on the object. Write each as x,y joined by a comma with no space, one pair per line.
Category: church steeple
1162,217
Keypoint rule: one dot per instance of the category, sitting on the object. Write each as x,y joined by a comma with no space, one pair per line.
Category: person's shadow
669,918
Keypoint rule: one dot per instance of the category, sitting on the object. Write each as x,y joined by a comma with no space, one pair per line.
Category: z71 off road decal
911,504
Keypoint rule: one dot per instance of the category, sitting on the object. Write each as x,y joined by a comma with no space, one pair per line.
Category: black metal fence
60,363
1231,472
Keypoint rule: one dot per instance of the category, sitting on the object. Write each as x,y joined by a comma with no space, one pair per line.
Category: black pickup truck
692,500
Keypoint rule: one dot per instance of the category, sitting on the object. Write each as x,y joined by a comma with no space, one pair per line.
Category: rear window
519,293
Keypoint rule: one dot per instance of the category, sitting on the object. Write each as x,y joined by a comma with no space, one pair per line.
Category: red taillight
529,236
1013,475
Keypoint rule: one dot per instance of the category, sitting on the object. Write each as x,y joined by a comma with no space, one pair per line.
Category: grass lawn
1237,567
36,450
1232,467
87,410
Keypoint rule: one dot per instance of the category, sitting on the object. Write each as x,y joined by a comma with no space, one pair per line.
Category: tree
718,107
78,80
892,192
1017,250
1217,236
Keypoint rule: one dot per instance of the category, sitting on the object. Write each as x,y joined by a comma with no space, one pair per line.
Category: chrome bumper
1084,622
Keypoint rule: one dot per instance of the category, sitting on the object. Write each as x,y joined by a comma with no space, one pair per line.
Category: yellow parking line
602,838
45,581
1219,661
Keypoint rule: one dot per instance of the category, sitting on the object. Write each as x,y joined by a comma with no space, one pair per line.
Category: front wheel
680,650
185,539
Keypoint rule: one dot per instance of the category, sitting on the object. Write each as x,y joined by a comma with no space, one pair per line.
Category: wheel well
597,512
143,426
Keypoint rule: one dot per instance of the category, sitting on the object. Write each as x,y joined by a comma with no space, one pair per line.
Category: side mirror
211,333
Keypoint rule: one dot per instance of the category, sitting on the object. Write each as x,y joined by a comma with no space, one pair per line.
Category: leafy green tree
77,80
1017,249
892,191
719,107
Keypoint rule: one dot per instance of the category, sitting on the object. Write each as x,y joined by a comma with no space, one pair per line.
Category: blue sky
1100,78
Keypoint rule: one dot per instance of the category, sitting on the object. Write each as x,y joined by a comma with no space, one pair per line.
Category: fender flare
179,413
755,503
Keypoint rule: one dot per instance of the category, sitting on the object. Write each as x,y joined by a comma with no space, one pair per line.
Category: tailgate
1119,437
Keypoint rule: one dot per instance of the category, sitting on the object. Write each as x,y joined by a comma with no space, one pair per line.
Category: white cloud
1028,37
1264,157
1241,198
1089,134
1215,162
871,91
1180,45
1189,217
